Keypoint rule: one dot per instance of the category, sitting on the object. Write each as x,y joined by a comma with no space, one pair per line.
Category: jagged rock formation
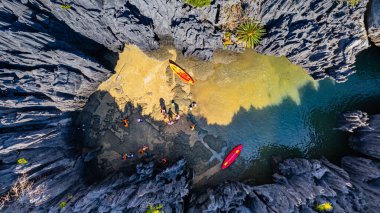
52,59
118,192
367,140
353,120
323,37
373,22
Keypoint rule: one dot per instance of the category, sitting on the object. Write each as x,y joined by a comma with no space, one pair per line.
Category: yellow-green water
223,86
270,106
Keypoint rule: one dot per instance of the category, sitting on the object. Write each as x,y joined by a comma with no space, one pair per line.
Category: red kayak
231,157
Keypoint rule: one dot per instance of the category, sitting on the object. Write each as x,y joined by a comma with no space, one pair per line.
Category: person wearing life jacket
128,155
143,149
164,161
125,122
192,127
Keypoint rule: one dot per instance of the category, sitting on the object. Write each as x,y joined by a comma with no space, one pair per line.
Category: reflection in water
222,87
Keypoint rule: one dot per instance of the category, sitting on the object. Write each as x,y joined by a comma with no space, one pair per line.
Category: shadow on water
268,135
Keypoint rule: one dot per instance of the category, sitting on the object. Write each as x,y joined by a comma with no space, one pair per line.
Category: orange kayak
231,157
181,72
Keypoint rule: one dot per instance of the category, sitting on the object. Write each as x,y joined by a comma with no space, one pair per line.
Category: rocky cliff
321,36
373,22
52,59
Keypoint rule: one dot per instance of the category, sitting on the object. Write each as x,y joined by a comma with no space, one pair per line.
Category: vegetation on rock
250,33
62,204
22,161
155,209
353,3
198,3
323,207
66,6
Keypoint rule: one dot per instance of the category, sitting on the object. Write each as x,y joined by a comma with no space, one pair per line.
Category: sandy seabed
223,86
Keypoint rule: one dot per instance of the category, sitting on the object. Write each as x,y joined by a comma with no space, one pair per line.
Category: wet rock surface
52,59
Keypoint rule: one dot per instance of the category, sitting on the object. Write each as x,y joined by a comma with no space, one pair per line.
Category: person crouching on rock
192,127
164,161
128,155
143,150
125,122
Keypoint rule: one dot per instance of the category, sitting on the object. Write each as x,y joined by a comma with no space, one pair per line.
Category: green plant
62,204
326,206
250,33
198,3
353,3
155,209
22,161
66,6
70,196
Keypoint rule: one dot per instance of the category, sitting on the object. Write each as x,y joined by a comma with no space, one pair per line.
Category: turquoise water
307,129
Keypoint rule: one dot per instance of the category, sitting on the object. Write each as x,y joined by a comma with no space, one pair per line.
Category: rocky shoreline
53,59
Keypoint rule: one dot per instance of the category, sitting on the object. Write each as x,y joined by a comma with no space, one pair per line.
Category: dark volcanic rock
373,22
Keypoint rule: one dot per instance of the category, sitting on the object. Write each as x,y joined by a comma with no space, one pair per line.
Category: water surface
265,103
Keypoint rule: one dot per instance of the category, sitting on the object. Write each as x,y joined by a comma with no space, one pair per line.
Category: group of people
142,152
167,114
170,115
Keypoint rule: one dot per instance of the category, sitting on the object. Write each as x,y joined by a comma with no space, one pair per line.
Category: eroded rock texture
367,140
52,59
299,186
373,22
353,120
323,37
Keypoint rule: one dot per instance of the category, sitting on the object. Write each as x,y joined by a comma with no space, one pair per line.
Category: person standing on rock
192,105
170,114
176,110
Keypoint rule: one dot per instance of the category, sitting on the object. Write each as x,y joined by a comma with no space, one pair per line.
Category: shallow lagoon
265,103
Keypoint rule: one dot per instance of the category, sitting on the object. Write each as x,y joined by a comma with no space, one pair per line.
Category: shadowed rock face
373,22
52,59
